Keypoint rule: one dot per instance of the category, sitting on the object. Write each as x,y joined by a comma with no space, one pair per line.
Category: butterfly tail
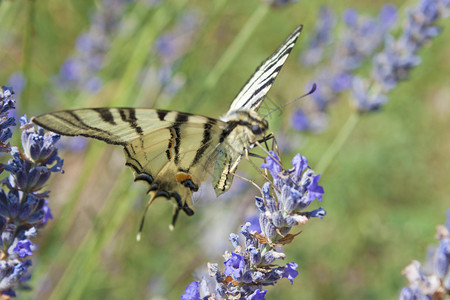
141,226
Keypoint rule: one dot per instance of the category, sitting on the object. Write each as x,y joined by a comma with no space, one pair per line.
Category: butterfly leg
268,137
248,180
274,144
247,155
263,140
263,174
256,155
274,147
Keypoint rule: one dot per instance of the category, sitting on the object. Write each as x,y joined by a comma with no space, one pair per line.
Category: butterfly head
259,128
245,127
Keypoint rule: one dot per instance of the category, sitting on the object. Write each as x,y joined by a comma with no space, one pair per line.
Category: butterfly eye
256,129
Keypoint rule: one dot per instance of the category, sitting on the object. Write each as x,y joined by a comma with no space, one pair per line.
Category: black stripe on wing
106,115
256,88
179,121
207,136
71,125
129,115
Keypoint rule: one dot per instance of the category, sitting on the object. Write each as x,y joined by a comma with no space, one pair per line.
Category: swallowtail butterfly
173,152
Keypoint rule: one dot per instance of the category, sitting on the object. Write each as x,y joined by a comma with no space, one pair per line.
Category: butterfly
173,152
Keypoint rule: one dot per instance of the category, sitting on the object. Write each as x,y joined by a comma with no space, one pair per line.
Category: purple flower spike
234,266
280,207
315,190
7,104
300,164
254,221
388,15
350,17
192,291
432,281
23,204
299,120
258,295
341,82
24,248
278,3
290,272
318,213
272,164
447,223
320,38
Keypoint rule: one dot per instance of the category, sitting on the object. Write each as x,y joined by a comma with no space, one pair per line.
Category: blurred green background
385,191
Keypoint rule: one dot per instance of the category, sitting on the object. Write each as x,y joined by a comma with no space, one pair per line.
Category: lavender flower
80,71
6,105
290,272
23,205
320,38
394,63
258,295
360,40
171,46
431,281
278,3
234,266
252,264
192,292
18,81
361,37
300,120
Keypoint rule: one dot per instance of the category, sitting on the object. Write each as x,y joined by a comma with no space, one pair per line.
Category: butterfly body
174,152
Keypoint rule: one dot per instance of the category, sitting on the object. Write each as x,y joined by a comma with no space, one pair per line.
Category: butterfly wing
253,92
117,126
172,152
247,102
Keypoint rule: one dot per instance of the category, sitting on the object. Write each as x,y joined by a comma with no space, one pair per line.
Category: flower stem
238,43
337,144
230,54
27,55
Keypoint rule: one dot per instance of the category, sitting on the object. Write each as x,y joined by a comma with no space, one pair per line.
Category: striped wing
117,126
172,152
246,104
259,84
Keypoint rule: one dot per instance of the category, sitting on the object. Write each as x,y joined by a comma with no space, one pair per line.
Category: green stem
67,218
147,37
236,46
27,56
85,260
337,144
232,51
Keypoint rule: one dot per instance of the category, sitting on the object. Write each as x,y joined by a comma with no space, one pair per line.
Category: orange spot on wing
182,177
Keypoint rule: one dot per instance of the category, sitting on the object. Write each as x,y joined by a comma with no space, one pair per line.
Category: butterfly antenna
273,102
313,89
141,226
